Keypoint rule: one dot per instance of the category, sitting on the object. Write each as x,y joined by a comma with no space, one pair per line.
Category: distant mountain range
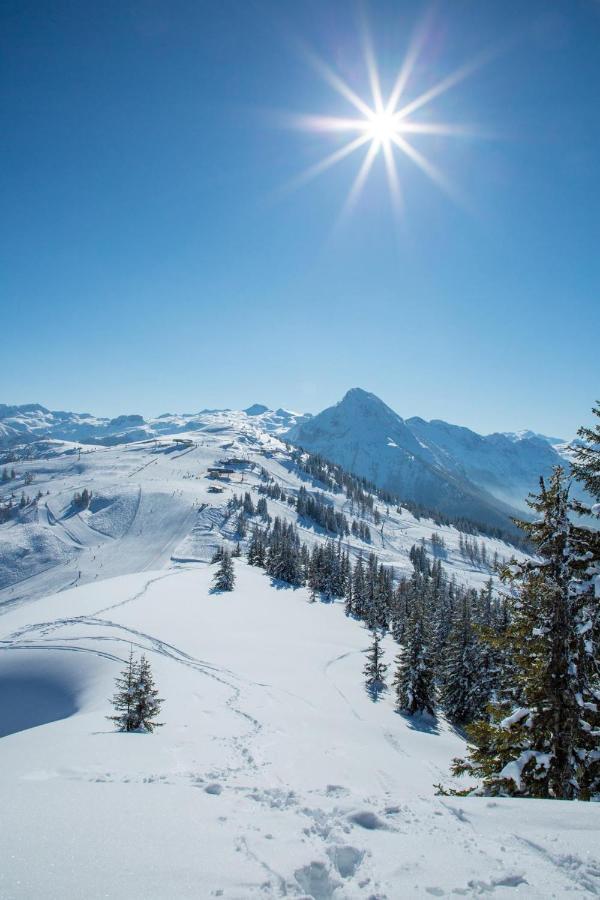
441,466
32,422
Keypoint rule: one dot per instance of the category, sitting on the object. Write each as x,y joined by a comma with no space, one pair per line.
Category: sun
381,127
384,126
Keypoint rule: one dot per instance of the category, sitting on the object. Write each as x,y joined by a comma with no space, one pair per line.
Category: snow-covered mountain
442,466
32,422
525,434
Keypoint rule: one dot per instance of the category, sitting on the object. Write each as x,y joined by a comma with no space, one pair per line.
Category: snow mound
112,513
27,550
36,689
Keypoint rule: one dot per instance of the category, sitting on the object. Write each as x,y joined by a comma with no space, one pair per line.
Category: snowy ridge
32,422
439,465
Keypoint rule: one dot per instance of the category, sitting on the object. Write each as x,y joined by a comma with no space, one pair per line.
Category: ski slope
152,505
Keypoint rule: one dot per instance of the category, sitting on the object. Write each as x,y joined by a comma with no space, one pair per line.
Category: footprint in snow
368,819
214,788
346,859
316,880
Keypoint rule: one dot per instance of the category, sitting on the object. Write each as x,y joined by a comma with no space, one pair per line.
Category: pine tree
586,467
224,577
374,670
147,703
547,743
217,555
414,679
257,549
461,694
124,698
359,591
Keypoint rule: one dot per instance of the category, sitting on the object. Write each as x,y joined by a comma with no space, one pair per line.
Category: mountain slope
154,501
273,776
441,466
366,437
503,465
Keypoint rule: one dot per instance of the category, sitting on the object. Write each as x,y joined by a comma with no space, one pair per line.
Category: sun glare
383,127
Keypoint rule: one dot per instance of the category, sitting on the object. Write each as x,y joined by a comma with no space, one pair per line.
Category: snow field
274,774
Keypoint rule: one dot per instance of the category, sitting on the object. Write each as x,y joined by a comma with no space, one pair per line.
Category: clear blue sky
149,261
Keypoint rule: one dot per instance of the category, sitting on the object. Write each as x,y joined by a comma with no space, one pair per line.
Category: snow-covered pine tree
257,550
375,669
241,524
217,555
549,744
147,703
461,693
123,699
359,591
415,677
224,577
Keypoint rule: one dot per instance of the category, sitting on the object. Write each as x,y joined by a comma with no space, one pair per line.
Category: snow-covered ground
274,774
151,503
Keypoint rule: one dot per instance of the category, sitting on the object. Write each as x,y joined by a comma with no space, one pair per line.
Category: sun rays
384,125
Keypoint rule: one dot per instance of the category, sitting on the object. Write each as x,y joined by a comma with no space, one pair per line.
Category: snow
151,505
274,774
436,464
517,716
513,770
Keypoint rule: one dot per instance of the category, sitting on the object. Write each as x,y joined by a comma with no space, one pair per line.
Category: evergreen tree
124,699
375,669
547,744
217,555
359,591
414,679
462,694
257,549
240,525
586,467
147,703
224,577
261,509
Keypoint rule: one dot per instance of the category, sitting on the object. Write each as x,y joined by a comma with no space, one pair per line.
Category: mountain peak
357,393
257,409
365,403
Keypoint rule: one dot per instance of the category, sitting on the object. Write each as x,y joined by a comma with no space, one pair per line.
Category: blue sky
150,260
